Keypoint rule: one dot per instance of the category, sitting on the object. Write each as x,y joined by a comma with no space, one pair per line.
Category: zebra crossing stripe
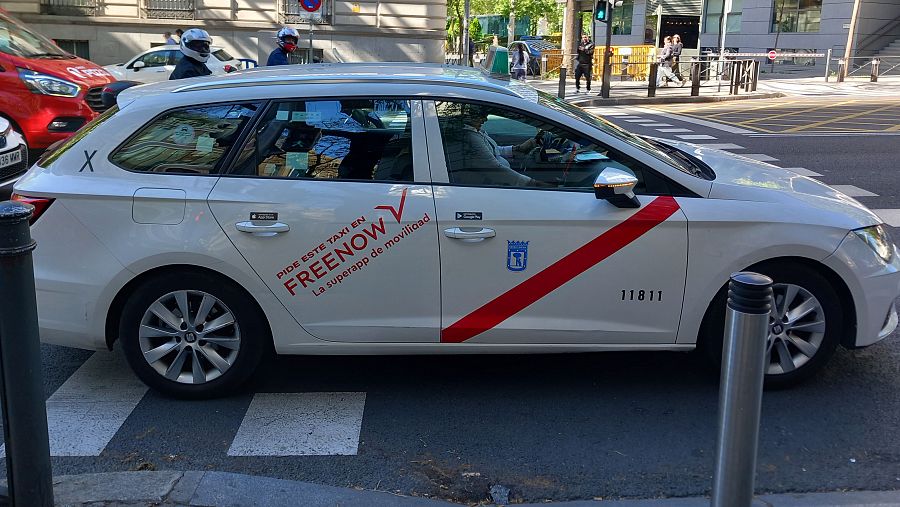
85,413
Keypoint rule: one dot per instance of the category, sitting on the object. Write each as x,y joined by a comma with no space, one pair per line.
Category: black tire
249,323
802,275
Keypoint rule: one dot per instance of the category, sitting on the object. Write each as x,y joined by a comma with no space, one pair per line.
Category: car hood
744,179
77,70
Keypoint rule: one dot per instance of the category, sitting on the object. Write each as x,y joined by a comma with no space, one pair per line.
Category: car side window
351,139
498,147
192,140
156,59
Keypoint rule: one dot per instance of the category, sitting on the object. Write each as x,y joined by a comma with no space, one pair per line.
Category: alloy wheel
796,329
189,336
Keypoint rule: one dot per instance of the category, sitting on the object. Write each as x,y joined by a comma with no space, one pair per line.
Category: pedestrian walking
677,47
169,39
178,33
195,47
520,62
664,72
286,39
585,63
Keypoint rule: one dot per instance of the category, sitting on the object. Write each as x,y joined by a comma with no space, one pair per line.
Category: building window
292,12
169,9
621,18
713,15
78,48
70,7
796,15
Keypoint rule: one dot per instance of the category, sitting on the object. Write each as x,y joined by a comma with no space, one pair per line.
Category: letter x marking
87,161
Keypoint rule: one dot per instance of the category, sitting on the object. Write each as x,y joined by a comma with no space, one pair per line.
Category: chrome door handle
262,230
470,233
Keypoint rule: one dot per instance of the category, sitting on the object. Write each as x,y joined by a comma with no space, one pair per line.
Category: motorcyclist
287,39
195,47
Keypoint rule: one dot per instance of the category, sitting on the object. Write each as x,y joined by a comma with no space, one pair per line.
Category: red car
45,93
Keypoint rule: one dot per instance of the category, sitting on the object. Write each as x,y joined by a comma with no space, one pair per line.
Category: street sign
772,55
310,5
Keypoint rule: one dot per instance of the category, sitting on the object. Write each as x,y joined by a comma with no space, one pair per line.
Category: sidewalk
769,86
210,489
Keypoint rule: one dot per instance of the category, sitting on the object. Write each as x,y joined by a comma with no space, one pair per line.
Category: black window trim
675,189
225,158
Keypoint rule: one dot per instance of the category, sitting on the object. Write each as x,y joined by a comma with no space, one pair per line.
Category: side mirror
617,187
138,65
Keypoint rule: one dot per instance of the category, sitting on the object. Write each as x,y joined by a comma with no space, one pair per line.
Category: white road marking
853,191
803,172
85,413
722,146
890,216
689,137
300,424
762,157
655,124
695,121
675,130
636,120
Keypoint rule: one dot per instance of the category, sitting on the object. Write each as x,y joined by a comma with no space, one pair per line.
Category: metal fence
863,67
169,9
71,7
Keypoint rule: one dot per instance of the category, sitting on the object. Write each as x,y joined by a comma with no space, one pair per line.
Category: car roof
174,47
337,73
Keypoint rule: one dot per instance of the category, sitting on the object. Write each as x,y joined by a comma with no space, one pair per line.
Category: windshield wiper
50,55
682,157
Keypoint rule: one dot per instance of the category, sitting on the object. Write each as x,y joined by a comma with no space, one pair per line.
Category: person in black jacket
195,47
585,62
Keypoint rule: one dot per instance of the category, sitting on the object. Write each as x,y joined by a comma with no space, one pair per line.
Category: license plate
10,158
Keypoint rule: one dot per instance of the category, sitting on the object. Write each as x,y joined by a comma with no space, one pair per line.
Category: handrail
337,55
882,32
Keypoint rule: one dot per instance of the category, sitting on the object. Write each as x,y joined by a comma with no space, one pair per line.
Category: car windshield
222,55
16,40
667,154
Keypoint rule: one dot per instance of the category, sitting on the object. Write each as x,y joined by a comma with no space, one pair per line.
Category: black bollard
24,410
651,84
695,78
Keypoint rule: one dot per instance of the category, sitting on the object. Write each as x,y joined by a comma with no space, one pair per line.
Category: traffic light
602,11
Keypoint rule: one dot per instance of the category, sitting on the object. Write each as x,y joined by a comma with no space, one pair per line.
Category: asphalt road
556,427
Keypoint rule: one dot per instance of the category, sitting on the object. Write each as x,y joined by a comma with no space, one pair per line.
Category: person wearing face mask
287,39
195,47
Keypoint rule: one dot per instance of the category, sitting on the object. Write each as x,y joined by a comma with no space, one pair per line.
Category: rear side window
192,140
222,55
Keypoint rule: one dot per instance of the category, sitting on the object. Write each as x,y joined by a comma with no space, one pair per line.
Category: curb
628,101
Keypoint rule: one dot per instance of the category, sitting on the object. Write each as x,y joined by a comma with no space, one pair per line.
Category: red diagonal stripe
555,275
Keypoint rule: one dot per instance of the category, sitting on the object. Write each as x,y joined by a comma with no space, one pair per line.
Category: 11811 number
641,295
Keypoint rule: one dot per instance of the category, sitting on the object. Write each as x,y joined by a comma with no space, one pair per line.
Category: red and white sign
772,55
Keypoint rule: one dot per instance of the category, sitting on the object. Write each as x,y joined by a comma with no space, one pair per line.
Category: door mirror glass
617,187
138,65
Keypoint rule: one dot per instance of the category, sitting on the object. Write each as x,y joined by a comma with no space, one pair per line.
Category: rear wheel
192,335
805,324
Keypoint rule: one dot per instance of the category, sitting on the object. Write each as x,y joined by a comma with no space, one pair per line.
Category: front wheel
805,324
192,335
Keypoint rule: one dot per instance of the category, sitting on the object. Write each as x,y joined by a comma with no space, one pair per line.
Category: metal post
842,66
695,77
543,66
827,64
874,77
735,83
607,54
24,410
651,84
561,91
755,76
740,391
748,68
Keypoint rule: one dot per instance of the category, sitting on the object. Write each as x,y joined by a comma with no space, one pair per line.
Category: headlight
7,127
877,239
48,85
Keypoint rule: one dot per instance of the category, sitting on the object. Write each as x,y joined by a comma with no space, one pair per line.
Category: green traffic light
601,13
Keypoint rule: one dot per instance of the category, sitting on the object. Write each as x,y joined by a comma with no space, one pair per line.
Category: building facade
754,26
111,31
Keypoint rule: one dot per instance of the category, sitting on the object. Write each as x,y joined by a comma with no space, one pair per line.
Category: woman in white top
519,62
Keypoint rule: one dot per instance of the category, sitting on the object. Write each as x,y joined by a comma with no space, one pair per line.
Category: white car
13,155
385,209
156,64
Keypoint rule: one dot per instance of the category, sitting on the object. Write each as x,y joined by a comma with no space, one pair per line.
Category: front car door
158,65
324,201
529,255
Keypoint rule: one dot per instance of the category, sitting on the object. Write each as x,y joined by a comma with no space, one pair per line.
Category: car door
529,255
325,201
158,65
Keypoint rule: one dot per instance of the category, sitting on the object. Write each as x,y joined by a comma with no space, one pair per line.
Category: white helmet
195,44
285,33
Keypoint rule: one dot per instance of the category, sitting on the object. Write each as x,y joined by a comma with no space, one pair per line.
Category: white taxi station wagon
419,209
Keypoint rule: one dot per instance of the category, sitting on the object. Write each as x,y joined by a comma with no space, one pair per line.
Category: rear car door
158,65
330,202
529,255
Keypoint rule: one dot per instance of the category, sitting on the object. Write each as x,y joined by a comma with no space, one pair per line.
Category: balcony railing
70,7
292,12
169,9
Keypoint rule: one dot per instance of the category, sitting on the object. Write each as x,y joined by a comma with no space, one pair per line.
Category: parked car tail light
40,205
230,68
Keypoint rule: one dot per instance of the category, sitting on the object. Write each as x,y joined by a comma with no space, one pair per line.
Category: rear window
222,55
192,140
